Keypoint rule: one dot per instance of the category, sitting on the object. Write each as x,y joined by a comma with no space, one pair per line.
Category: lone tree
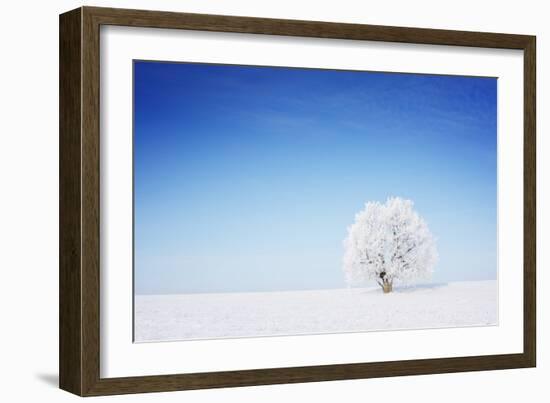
388,243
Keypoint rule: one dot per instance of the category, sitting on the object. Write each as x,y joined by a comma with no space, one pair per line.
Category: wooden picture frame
79,280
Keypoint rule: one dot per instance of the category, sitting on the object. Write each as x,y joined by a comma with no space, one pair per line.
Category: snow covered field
203,316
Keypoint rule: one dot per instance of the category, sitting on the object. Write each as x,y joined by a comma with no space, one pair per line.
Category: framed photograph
249,201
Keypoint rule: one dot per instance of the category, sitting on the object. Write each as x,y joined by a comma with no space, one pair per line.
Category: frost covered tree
388,243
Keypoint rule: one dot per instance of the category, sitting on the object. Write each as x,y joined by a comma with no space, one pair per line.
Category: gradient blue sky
246,178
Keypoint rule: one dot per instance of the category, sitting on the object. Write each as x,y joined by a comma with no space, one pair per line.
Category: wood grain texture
108,386
80,201
70,273
316,29
529,203
90,202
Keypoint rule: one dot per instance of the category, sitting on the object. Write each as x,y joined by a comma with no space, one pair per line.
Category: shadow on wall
49,379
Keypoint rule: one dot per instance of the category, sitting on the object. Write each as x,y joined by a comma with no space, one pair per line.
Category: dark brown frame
79,201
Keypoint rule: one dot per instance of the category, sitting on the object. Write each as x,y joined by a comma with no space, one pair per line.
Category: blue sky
246,178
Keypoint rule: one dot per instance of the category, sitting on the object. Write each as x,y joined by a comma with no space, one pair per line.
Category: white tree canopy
389,243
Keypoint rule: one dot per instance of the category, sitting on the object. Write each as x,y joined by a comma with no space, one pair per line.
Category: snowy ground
203,316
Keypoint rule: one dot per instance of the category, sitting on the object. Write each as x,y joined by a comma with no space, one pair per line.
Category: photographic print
276,201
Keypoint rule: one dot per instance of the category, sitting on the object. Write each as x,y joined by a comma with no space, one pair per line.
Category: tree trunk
387,286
